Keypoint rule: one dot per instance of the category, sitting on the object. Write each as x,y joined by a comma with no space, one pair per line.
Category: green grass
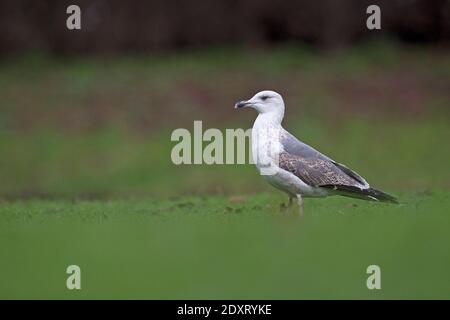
214,247
392,155
86,176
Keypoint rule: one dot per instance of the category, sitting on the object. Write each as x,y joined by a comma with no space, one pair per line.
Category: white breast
266,147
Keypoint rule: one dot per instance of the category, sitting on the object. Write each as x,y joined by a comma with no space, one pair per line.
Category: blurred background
86,175
89,113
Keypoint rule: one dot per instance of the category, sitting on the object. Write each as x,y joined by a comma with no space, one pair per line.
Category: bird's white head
265,102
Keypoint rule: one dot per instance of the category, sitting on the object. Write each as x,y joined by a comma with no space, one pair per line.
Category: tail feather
365,194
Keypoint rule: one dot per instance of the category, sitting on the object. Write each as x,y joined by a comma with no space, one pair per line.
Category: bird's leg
291,209
291,200
300,204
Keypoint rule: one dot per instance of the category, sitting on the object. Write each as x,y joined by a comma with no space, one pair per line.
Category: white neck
266,138
272,119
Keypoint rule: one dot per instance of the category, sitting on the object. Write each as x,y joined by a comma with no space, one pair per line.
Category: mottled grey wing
315,172
295,147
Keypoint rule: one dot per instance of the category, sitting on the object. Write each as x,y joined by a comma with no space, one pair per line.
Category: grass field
86,176
214,247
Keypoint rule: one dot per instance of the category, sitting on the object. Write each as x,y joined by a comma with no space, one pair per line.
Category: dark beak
241,104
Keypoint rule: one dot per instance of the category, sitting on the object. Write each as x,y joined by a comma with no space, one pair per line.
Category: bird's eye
264,98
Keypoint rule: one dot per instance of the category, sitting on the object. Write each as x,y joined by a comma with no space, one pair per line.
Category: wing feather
316,172
316,168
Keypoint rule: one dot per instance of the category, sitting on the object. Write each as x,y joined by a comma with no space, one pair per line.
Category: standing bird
293,166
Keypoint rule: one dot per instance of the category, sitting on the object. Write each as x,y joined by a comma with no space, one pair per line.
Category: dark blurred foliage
118,26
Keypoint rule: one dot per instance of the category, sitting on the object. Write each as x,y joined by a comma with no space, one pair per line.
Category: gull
293,166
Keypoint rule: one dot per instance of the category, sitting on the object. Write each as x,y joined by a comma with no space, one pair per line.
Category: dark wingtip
382,196
365,194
